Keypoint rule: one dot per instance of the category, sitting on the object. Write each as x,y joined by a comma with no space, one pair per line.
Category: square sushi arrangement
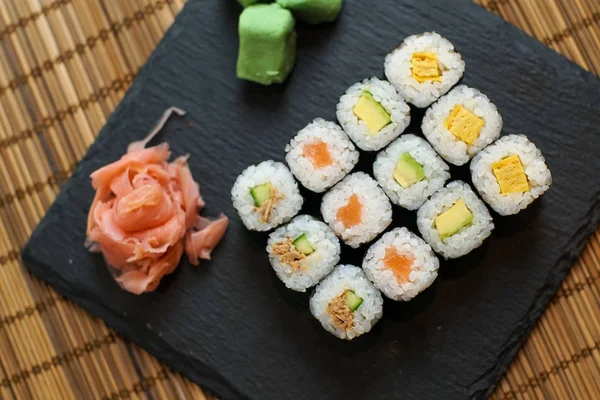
460,125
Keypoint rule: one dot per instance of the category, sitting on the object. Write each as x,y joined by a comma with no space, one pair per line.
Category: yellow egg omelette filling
425,67
463,124
510,175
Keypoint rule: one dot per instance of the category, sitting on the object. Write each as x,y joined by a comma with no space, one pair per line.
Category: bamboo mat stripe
64,66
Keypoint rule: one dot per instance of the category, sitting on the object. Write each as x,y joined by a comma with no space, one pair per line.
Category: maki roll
410,171
454,220
373,114
357,209
266,195
346,303
510,174
461,123
423,68
320,155
401,265
303,252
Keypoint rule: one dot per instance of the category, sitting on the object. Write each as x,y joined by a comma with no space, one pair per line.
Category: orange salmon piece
399,264
351,214
318,153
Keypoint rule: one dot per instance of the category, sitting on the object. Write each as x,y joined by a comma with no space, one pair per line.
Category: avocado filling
373,114
510,175
463,124
408,171
453,220
341,314
288,254
425,67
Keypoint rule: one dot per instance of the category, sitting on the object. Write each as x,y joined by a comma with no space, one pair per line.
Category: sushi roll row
460,124
348,302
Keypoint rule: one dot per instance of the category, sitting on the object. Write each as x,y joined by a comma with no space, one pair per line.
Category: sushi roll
454,220
346,303
320,155
373,114
266,195
303,252
401,265
357,209
423,68
461,124
510,174
409,171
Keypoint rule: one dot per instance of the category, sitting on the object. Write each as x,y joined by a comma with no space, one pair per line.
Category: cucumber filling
265,198
303,245
352,300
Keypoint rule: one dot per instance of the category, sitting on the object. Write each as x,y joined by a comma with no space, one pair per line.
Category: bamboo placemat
64,66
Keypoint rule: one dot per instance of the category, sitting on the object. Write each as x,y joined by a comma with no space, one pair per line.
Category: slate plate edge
483,387
152,343
480,388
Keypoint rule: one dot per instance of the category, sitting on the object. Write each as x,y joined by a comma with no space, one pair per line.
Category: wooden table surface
64,66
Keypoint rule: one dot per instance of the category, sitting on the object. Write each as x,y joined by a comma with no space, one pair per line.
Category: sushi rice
538,175
468,237
303,271
347,278
288,203
340,153
407,247
399,68
435,169
450,147
375,212
389,99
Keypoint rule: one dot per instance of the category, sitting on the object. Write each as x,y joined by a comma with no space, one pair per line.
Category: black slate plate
230,325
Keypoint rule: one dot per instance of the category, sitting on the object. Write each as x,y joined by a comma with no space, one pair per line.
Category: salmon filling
318,153
351,214
341,316
288,254
399,264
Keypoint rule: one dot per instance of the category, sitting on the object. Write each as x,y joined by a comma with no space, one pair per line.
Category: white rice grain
317,264
534,165
281,179
358,131
347,277
451,148
343,154
435,169
376,209
398,68
424,268
467,238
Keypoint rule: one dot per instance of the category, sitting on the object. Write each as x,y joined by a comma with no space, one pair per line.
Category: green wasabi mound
247,3
267,44
313,11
